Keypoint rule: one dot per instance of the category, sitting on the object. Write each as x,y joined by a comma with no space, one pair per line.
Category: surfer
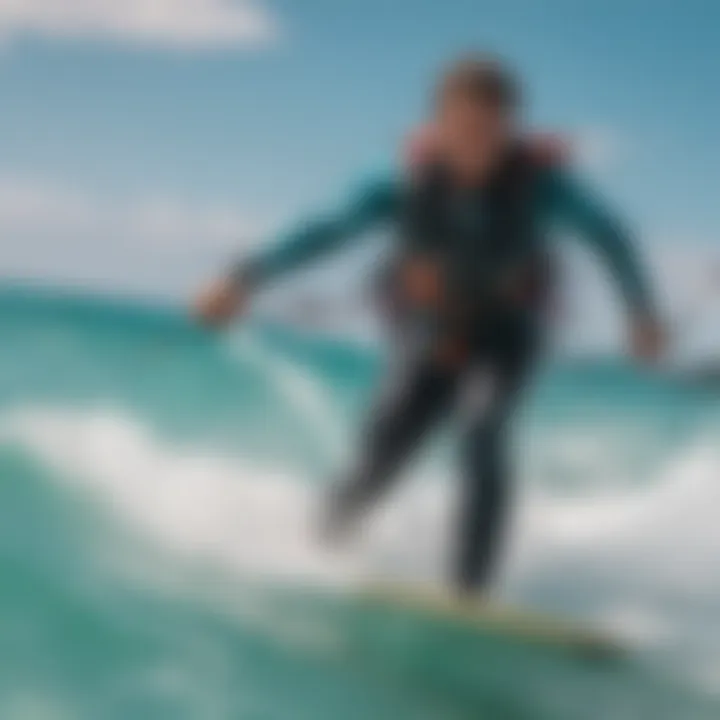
472,274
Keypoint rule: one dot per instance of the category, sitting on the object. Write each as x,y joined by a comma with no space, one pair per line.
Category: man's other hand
218,303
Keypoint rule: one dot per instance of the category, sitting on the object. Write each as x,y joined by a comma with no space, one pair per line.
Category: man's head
477,106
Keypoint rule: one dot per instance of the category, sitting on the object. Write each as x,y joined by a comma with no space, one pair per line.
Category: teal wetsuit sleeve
583,212
374,203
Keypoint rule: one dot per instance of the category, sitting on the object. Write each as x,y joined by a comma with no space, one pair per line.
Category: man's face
473,134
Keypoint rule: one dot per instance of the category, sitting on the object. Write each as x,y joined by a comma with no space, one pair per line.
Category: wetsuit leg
484,456
408,408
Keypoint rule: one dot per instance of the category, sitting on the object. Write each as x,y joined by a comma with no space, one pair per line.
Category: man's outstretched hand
648,339
218,303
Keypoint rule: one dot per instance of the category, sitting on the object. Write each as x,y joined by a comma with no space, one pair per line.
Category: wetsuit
471,233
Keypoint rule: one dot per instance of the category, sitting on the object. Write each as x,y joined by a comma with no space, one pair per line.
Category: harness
494,269
483,240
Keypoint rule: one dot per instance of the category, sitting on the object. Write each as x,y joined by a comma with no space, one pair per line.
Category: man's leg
408,408
486,465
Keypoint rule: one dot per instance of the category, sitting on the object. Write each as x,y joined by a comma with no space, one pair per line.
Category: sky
142,143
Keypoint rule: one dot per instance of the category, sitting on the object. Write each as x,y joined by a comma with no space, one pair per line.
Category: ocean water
158,558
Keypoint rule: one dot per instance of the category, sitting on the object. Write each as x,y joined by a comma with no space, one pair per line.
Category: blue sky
140,140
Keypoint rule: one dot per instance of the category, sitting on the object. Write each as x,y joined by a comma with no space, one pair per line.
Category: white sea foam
192,502
642,561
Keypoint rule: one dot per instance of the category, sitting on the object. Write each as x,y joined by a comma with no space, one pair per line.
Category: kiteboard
488,618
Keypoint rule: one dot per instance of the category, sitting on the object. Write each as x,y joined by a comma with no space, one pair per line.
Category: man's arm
377,201
374,203
575,206
584,212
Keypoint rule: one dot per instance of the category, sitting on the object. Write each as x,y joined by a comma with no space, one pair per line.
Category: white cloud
31,209
188,24
53,231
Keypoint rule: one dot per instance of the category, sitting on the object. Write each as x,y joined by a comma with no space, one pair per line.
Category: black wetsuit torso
486,245
475,232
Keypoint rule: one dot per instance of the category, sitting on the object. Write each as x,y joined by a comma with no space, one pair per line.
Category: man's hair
483,79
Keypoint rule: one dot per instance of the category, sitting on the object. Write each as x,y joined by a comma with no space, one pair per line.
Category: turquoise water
157,492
